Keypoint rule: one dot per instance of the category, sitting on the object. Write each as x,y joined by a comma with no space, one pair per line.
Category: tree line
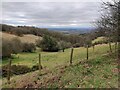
75,40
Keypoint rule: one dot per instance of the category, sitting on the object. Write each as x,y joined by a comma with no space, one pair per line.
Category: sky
51,14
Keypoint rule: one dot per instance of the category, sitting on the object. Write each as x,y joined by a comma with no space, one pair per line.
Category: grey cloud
47,13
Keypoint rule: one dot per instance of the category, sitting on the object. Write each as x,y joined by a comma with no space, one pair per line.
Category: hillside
99,39
72,30
52,32
99,71
29,38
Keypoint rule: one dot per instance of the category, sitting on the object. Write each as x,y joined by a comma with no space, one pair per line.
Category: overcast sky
51,14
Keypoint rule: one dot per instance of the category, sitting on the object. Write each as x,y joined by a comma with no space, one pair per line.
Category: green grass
95,73
56,58
98,71
99,39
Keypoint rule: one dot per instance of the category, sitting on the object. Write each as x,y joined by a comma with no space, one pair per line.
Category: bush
6,48
28,47
16,45
49,44
20,69
5,70
76,45
63,45
15,69
35,67
9,47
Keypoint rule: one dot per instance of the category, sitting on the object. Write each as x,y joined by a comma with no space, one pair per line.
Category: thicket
15,46
18,69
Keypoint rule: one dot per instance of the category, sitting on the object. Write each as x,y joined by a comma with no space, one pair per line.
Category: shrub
28,47
15,69
16,45
49,44
63,45
20,69
35,67
9,47
6,48
5,70
76,45
38,42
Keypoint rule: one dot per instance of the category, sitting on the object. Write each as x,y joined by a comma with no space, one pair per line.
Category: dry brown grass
29,38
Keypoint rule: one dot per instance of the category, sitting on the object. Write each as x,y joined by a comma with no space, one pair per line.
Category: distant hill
75,30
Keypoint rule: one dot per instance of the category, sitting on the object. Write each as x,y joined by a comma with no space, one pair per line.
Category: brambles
18,69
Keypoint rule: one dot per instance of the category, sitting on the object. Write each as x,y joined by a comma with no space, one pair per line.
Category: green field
98,71
51,59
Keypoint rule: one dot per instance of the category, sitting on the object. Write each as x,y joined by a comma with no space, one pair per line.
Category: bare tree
110,21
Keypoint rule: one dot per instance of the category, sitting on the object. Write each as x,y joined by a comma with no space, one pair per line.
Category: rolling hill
29,38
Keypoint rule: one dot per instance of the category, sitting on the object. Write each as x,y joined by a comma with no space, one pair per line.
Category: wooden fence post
9,71
87,52
40,63
71,56
115,48
93,48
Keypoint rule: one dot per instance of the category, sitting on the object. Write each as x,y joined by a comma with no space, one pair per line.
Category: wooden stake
9,71
71,56
110,47
39,63
87,52
116,48
93,48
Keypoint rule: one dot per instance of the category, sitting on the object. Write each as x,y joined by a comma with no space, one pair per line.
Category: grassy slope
29,38
57,58
99,71
99,39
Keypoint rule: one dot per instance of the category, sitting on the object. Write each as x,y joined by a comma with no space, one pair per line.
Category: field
99,71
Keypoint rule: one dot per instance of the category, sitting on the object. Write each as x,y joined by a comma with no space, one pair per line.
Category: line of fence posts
71,60
71,56
9,71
